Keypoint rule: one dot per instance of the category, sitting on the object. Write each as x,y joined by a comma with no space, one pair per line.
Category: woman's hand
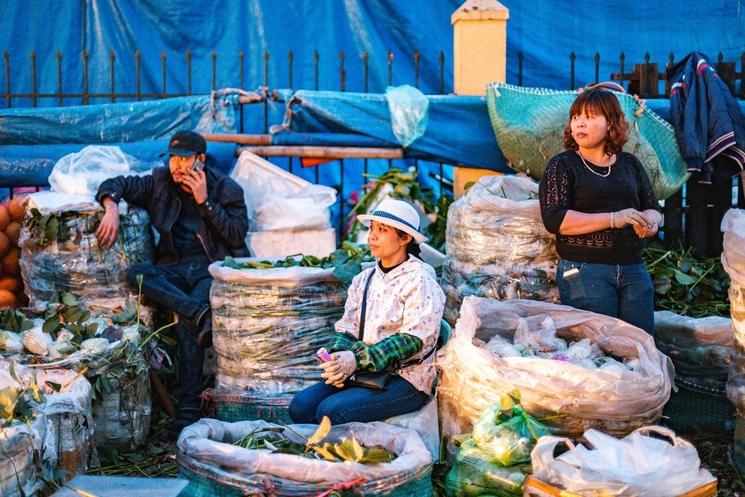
631,217
341,366
646,231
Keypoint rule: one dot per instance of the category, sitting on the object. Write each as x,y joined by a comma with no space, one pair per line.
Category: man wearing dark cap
200,215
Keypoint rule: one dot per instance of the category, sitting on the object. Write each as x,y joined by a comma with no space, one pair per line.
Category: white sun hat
398,214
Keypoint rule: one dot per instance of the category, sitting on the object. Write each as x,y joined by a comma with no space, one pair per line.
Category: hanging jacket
707,119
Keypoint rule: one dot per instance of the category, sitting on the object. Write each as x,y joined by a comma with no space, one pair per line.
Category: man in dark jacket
200,215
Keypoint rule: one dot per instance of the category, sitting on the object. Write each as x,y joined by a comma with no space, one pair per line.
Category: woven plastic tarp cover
458,128
528,124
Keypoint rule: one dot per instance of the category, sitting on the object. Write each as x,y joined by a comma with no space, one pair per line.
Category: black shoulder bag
379,379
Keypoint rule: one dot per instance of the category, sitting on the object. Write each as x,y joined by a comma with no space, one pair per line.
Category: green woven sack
529,124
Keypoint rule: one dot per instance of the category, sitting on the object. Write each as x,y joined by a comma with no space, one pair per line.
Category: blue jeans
347,404
185,289
620,291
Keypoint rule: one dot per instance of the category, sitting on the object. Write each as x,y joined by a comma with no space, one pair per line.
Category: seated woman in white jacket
391,323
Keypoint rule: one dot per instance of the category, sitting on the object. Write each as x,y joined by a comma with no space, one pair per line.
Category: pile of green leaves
348,450
346,261
44,229
685,285
14,320
19,403
405,187
66,311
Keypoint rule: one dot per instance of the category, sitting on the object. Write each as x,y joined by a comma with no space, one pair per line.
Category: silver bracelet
612,220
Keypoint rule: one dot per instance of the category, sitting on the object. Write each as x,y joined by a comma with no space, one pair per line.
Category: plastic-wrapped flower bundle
60,252
267,325
496,458
497,246
627,390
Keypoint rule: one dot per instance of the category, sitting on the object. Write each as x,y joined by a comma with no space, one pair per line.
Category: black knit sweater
568,184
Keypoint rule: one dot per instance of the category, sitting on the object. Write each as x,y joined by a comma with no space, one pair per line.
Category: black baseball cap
186,143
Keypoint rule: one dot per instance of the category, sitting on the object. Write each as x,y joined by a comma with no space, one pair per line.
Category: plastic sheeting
650,462
31,165
73,262
209,460
113,123
497,245
267,325
122,417
373,27
566,397
458,129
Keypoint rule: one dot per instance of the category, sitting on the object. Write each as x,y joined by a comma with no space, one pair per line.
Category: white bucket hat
398,214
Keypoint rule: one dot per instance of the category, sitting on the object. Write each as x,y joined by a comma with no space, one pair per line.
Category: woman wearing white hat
388,333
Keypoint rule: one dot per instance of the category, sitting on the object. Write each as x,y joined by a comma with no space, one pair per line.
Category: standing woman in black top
599,203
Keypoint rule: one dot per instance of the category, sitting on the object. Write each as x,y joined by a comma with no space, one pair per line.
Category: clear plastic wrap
214,466
81,173
475,473
61,254
733,260
122,417
697,346
568,398
267,325
66,413
18,472
409,109
639,465
497,246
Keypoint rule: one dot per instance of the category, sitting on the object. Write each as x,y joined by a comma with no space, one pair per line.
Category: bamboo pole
325,152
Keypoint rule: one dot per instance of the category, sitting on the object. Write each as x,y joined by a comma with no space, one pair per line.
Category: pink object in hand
323,355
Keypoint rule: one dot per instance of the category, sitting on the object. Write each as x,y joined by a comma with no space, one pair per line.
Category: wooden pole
241,139
326,152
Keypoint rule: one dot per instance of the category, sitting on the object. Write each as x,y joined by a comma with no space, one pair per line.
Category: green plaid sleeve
342,341
393,349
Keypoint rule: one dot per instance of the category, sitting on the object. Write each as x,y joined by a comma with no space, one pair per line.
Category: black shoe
202,316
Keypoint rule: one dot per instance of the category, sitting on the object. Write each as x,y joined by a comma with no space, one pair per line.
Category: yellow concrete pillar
479,57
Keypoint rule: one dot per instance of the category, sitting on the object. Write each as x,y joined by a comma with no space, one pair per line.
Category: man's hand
341,366
109,226
196,180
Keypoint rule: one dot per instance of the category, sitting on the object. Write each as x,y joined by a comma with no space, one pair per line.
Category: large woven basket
700,405
529,123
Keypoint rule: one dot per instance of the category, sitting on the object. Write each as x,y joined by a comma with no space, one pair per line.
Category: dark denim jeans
624,292
185,289
344,405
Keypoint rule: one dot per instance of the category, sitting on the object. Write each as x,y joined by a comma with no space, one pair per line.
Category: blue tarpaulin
458,129
114,123
233,36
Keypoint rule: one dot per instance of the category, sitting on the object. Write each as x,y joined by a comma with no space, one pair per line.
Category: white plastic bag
278,200
82,172
638,465
409,113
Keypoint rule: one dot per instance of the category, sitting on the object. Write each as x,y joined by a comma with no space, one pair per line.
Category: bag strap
363,312
361,334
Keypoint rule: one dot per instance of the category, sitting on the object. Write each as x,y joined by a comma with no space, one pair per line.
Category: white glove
341,366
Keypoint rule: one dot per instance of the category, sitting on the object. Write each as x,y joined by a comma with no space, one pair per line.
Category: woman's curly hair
599,101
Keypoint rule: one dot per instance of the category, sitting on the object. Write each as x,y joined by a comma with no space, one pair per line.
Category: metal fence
692,216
